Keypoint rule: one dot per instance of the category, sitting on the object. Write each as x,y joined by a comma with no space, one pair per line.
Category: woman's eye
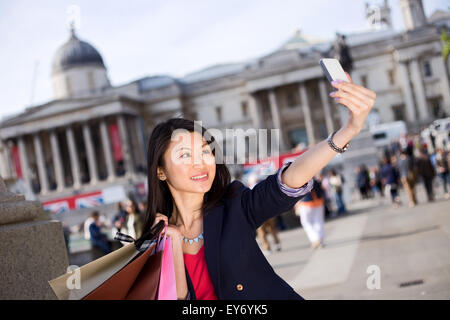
185,155
206,151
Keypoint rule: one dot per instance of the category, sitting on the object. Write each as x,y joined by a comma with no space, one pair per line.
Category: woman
311,210
213,222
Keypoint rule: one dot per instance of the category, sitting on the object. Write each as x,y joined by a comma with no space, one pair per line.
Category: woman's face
189,164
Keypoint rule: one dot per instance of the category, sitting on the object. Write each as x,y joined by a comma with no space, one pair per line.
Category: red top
199,274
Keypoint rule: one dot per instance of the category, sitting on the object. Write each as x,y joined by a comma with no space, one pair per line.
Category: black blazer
238,268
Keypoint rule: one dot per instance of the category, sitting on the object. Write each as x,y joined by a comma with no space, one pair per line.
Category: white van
383,134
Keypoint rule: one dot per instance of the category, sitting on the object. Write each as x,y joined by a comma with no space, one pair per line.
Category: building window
219,114
244,108
298,136
399,112
427,69
291,99
391,76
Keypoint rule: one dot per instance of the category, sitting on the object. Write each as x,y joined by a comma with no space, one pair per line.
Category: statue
342,53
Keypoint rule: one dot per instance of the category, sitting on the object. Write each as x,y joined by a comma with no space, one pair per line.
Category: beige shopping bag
93,274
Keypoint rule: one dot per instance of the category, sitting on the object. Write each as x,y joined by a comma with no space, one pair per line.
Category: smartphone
333,70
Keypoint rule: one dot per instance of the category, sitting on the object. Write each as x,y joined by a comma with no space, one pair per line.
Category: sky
139,38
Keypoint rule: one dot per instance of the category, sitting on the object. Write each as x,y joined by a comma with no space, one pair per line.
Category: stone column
107,150
445,86
93,173
57,162
125,147
73,153
255,112
307,114
419,90
32,248
407,92
275,112
40,163
24,162
326,106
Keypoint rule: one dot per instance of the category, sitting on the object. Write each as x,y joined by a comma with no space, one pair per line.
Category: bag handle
146,240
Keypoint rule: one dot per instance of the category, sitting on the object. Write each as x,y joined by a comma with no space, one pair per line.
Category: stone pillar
326,106
255,112
57,162
307,114
43,180
24,162
125,147
32,248
275,112
407,92
445,86
419,91
107,150
73,153
93,173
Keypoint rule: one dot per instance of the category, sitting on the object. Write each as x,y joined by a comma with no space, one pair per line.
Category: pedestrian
97,237
88,222
311,210
212,221
337,184
362,181
427,172
391,178
268,227
134,222
442,168
408,176
326,187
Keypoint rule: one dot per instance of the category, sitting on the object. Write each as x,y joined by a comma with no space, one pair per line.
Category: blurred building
92,136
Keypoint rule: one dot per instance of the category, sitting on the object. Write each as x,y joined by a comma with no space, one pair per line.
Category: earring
162,178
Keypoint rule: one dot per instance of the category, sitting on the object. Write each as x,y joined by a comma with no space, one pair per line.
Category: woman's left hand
357,99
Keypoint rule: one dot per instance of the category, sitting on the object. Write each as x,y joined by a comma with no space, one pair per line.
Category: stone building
93,135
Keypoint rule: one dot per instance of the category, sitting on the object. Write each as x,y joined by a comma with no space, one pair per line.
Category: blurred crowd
405,163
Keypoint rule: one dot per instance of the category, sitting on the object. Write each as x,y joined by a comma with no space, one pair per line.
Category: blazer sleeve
271,197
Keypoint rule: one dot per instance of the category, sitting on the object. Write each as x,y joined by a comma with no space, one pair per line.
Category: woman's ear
160,174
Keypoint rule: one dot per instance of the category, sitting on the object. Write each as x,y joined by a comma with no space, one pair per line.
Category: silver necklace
191,241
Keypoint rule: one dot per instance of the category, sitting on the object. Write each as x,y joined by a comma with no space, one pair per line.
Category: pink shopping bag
167,285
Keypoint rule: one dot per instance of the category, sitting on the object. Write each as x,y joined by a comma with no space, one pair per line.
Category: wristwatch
335,147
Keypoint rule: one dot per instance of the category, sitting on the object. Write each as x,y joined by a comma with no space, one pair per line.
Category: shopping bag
167,285
138,280
92,274
97,272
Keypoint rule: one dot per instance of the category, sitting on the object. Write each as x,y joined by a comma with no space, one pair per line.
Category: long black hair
159,196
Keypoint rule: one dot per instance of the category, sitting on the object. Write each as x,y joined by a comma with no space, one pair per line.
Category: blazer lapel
212,229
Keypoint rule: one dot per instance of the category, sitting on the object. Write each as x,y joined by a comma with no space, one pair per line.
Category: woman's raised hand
357,99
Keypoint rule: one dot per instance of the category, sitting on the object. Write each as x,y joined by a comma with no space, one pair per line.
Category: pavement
373,252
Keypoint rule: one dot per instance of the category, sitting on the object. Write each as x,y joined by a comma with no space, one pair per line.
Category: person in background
311,210
426,171
87,223
363,181
325,184
97,237
336,183
119,220
407,176
390,178
442,168
134,223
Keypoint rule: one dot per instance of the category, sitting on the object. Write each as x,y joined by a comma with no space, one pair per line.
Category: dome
75,53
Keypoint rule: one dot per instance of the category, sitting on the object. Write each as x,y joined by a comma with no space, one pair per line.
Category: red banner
115,141
16,159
